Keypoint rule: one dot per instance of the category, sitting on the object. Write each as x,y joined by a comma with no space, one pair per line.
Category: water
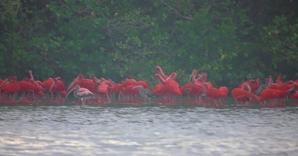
86,130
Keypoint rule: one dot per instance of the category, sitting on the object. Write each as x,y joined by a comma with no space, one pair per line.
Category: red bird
56,88
251,85
217,95
48,85
59,87
130,90
104,90
241,95
167,88
31,87
10,89
269,93
12,86
83,82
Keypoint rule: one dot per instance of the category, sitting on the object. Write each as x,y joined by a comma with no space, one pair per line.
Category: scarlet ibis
104,89
30,74
3,83
294,95
158,89
274,95
160,71
48,85
276,92
195,88
30,87
59,87
10,90
12,86
83,82
242,96
251,85
189,89
167,88
217,95
130,90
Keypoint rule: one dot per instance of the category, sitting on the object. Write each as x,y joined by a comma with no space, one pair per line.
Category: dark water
76,130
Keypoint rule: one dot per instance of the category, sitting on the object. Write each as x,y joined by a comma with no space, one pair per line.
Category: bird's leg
51,95
197,99
119,96
14,96
108,98
219,102
172,98
33,95
132,98
82,101
283,102
201,101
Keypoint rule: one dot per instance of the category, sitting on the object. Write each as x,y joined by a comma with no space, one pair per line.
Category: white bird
81,93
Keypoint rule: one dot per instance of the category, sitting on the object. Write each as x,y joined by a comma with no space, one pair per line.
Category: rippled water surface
86,130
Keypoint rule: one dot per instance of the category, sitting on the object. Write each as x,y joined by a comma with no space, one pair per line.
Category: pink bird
81,93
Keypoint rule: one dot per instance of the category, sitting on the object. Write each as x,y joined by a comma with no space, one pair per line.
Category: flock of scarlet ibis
100,91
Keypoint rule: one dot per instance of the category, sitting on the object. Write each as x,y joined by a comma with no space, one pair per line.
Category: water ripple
76,130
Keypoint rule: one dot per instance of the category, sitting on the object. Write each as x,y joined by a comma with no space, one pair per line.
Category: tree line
231,40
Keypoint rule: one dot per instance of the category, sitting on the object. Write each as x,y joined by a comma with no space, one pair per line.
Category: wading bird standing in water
167,88
82,93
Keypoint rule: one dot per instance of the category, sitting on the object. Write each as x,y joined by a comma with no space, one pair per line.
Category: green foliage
281,46
127,38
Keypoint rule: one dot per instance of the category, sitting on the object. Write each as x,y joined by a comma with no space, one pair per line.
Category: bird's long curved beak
72,84
70,90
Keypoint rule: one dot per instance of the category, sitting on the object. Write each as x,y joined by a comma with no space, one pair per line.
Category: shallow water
86,130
